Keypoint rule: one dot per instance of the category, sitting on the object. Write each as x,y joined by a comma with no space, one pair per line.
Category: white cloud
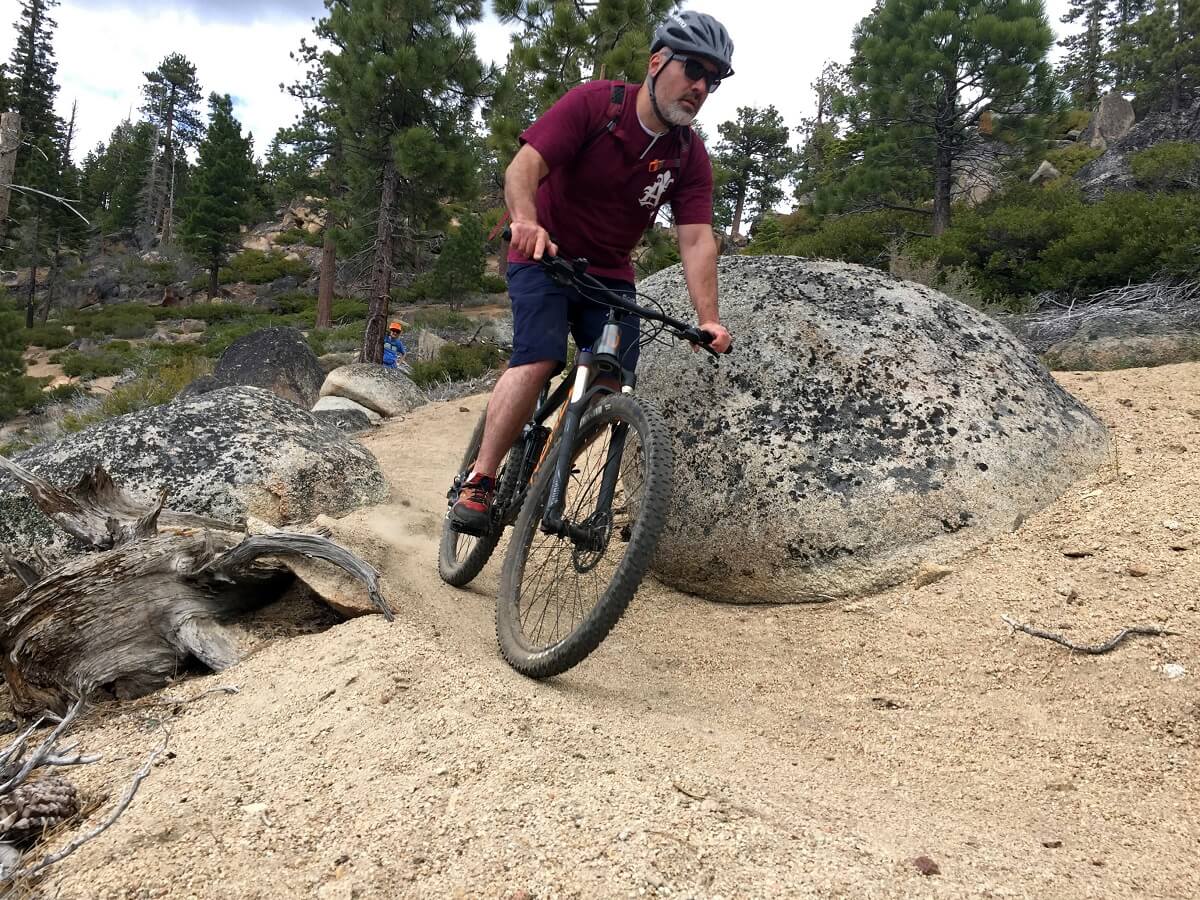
103,48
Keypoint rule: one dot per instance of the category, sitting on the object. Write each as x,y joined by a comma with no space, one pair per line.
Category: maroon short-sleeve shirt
600,196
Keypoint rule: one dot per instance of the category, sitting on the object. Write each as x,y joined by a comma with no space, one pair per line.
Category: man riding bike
593,171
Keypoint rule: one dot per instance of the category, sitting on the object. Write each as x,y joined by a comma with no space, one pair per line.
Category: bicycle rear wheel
462,556
560,597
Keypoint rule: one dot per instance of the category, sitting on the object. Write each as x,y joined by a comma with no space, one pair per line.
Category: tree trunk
129,618
943,184
168,200
739,207
381,272
51,282
328,274
10,140
214,278
31,302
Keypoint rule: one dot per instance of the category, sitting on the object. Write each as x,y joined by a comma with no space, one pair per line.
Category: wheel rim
562,581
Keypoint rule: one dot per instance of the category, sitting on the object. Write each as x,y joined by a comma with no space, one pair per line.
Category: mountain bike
586,496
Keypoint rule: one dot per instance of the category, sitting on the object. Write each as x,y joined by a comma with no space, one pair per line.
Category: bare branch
1092,649
120,808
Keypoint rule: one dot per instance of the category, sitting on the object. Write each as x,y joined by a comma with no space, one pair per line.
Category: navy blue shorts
544,311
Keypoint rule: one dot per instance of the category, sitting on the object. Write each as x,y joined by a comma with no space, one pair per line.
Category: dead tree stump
157,594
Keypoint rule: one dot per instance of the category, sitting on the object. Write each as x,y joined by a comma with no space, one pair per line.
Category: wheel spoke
574,579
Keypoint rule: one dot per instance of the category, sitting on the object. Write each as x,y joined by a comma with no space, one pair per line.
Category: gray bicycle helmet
696,33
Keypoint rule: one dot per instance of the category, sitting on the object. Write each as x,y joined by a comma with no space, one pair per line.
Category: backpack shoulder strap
612,116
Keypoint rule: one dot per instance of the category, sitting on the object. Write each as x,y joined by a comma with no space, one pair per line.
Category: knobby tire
654,463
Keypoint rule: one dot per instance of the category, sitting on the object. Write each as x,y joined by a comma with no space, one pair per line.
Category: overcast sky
241,47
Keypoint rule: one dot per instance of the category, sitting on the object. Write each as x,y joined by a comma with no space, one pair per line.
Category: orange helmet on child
395,326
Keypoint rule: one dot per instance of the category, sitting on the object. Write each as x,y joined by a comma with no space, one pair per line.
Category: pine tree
1123,39
1163,56
754,152
399,89
562,44
460,266
1085,69
568,43
927,71
221,192
39,161
171,93
32,69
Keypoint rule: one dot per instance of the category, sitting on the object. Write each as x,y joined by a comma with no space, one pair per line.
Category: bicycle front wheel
560,596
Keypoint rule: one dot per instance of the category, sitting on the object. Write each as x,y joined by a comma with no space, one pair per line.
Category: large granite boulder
387,391
1127,339
277,359
863,426
1111,121
229,454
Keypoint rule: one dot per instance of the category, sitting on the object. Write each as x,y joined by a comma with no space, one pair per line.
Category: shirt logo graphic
654,192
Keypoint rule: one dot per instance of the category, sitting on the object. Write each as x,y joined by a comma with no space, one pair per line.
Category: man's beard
677,114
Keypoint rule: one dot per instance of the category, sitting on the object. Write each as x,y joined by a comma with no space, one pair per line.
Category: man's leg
539,350
512,403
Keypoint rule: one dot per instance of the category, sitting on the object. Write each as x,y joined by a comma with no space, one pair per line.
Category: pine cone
37,806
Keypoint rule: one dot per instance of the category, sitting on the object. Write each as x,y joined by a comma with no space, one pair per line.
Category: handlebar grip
709,338
506,234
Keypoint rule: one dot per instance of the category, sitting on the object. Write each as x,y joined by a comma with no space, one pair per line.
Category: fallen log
158,594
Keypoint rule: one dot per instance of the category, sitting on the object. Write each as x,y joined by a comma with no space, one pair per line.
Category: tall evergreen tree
32,69
563,43
399,89
1085,69
222,190
171,93
113,176
1123,38
929,69
1163,56
33,91
754,152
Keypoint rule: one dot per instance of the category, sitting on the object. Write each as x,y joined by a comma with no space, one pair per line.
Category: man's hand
531,240
721,338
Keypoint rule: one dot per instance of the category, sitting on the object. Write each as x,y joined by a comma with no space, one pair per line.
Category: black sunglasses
694,70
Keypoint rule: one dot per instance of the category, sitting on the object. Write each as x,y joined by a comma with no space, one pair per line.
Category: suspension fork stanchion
552,518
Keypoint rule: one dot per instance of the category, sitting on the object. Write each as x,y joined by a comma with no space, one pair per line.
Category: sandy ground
705,750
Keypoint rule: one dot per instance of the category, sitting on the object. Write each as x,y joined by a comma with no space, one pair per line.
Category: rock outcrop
227,454
863,426
276,359
1111,121
1112,170
387,391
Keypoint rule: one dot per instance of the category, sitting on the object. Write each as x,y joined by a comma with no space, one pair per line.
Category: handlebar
573,273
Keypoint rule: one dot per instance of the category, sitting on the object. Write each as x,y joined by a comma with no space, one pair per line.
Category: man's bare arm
521,180
698,250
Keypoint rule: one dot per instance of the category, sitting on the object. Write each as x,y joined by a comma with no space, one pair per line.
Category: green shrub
1074,120
1031,240
457,363
289,237
493,284
256,267
50,335
1167,166
100,364
209,312
340,339
1069,160
439,318
123,320
152,387
864,238
161,271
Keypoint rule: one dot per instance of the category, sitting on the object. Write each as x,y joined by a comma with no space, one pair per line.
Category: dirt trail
705,750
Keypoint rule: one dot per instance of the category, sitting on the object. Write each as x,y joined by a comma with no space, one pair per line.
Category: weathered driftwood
128,618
